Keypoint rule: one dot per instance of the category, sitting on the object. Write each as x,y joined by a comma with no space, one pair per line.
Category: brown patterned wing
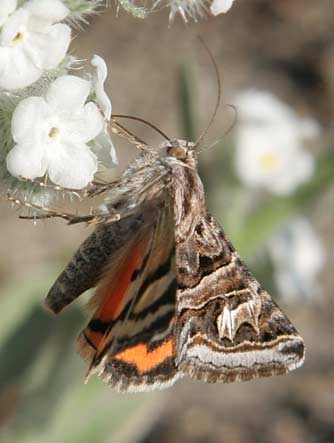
228,327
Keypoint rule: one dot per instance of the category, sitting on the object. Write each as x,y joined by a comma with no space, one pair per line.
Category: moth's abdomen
87,265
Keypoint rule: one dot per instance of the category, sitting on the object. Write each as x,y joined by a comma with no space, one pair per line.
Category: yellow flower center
54,132
19,37
269,161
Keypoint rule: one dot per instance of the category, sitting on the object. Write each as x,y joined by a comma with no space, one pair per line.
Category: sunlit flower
220,6
298,256
270,152
31,41
51,134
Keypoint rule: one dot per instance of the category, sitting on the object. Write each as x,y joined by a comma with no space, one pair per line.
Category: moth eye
178,152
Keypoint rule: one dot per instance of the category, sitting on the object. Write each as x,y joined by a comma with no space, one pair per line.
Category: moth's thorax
142,182
167,174
186,186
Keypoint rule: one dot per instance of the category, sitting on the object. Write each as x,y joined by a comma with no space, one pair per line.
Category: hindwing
129,341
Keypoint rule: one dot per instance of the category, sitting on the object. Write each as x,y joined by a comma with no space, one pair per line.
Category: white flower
6,8
103,141
51,134
220,6
31,42
269,151
298,256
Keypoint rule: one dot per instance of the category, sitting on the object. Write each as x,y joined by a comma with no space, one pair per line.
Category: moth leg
94,188
46,212
94,219
71,218
97,188
53,187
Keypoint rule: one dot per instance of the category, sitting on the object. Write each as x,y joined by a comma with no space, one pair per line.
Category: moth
172,297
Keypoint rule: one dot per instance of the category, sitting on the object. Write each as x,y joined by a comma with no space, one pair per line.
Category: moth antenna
229,129
215,66
125,133
130,117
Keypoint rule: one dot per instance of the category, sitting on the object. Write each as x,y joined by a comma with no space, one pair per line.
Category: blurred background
270,184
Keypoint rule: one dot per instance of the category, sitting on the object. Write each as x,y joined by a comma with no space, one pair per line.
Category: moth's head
181,150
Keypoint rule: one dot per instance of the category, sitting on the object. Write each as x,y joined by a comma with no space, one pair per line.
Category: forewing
130,340
86,267
228,327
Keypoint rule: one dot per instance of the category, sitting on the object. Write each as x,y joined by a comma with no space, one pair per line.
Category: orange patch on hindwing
115,289
145,360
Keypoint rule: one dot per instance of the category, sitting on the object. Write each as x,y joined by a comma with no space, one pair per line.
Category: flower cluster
53,125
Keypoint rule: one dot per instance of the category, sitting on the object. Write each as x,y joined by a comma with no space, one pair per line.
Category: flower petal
220,6
47,50
263,107
105,150
48,10
298,169
28,118
16,69
71,165
85,125
6,8
101,96
26,160
68,93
